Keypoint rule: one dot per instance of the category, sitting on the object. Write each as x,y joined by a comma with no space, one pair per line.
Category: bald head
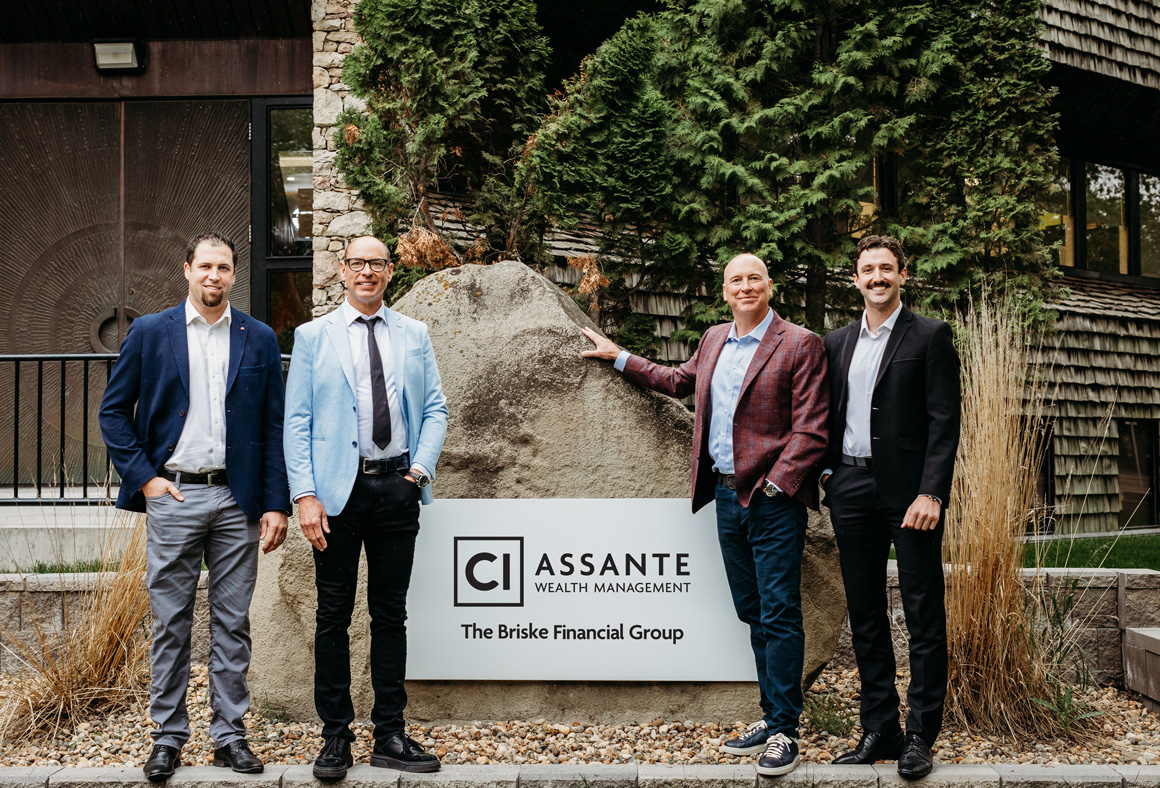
367,246
747,290
746,260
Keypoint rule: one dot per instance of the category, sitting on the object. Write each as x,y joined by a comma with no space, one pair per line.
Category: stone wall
36,606
1096,607
338,215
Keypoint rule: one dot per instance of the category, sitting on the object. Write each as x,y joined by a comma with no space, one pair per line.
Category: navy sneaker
781,756
753,740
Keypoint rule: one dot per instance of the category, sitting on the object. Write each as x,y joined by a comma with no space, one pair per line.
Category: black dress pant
865,526
381,516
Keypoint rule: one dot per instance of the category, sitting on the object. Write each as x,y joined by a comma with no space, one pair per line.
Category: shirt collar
887,325
191,313
757,333
350,314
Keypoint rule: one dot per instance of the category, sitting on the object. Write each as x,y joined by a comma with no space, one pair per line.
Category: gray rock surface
530,418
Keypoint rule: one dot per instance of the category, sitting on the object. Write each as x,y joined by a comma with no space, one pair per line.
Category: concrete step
741,775
1142,664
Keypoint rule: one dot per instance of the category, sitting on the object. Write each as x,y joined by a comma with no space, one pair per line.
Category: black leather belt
386,465
860,462
727,479
213,478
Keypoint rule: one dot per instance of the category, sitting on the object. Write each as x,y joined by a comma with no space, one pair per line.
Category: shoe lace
778,747
756,726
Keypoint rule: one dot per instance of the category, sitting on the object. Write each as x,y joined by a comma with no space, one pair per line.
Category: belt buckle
365,467
215,478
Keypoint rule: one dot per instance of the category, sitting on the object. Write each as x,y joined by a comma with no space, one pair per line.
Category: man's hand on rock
605,347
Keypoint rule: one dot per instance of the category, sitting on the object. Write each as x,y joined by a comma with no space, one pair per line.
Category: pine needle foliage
777,127
452,90
979,160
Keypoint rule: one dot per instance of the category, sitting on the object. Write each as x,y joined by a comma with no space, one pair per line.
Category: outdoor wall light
120,56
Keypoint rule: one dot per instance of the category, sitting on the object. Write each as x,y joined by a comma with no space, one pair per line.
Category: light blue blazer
320,433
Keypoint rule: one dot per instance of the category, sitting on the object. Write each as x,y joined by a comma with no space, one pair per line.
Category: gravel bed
1131,735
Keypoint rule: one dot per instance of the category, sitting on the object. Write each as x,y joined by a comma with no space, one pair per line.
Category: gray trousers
207,523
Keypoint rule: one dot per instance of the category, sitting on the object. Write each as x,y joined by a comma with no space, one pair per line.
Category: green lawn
1125,552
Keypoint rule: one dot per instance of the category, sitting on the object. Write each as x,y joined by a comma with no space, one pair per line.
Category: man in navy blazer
365,422
192,418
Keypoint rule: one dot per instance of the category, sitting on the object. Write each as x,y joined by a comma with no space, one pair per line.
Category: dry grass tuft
99,661
999,654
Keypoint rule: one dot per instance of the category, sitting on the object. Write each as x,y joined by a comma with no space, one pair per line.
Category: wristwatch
421,479
771,489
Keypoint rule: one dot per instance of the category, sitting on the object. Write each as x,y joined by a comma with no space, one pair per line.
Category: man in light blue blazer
365,423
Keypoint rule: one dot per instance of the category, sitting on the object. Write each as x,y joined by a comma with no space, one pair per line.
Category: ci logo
489,571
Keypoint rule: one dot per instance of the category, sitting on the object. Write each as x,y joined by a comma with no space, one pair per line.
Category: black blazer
914,415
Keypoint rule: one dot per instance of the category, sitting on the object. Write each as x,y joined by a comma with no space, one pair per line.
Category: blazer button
169,447
354,443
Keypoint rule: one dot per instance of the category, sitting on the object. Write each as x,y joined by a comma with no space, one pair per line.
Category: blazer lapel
849,342
712,347
238,334
179,343
336,331
769,342
901,326
398,334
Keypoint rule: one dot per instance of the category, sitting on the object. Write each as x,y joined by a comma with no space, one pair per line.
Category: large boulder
530,418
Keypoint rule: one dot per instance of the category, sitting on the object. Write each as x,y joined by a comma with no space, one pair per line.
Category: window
1120,212
1105,230
1137,473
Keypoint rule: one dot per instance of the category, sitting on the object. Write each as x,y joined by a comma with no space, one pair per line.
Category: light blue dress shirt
728,375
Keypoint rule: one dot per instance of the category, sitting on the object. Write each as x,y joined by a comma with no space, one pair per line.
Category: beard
212,299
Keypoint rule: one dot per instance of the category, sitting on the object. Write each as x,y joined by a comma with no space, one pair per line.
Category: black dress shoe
163,760
874,747
399,751
238,757
916,760
334,759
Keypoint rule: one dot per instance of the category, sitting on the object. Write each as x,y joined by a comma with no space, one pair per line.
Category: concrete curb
807,775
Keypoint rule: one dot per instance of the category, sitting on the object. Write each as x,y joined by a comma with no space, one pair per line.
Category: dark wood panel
60,238
187,172
239,67
150,20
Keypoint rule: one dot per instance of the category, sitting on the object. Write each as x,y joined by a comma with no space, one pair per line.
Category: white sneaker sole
739,751
774,771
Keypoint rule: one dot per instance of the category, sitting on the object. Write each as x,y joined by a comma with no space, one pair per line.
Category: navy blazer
152,375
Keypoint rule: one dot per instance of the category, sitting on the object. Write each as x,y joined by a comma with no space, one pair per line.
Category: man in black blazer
894,432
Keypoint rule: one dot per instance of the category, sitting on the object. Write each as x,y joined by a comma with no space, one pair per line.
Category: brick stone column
338,214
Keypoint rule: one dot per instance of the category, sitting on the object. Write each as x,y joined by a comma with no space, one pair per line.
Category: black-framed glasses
356,264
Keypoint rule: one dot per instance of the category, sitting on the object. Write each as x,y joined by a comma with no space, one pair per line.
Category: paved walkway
622,776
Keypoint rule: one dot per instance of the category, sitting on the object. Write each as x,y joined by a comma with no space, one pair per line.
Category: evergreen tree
980,159
605,155
451,89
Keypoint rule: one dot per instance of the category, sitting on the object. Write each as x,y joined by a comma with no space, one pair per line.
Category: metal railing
48,416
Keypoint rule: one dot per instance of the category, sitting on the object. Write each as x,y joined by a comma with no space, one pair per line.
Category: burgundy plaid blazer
780,425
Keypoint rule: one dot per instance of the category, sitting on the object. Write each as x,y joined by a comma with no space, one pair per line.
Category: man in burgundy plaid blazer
760,431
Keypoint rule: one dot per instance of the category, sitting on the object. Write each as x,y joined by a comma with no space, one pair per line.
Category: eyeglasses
356,264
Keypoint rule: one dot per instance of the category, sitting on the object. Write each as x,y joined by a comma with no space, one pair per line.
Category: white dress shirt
356,332
202,445
860,384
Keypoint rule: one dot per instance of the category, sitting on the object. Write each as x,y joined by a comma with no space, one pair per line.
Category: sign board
572,590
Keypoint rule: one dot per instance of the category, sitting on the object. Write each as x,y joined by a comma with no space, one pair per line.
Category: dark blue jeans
762,548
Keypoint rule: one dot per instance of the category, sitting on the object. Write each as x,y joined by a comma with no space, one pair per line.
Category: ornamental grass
98,660
1012,647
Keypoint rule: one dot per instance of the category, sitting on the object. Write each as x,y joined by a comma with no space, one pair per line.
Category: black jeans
864,527
382,515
